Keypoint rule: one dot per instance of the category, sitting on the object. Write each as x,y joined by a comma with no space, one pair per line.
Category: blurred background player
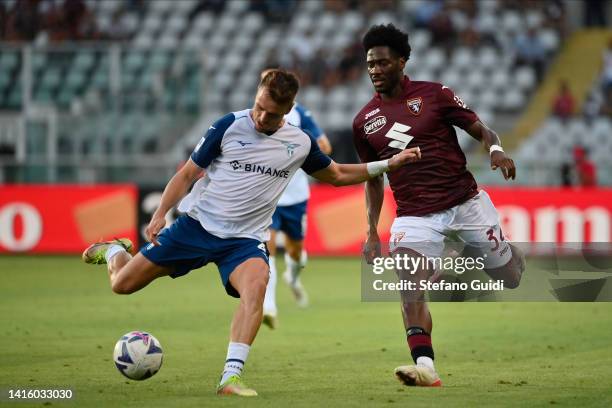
248,158
290,218
437,198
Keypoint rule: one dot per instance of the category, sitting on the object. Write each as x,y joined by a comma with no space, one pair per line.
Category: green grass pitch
59,323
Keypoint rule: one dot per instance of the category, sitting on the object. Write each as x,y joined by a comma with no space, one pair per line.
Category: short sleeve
316,159
365,152
307,123
209,147
454,111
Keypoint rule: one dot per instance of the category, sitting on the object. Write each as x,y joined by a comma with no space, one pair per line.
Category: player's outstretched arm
347,174
175,190
492,144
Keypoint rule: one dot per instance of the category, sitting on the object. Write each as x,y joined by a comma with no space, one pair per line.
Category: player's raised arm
492,144
347,174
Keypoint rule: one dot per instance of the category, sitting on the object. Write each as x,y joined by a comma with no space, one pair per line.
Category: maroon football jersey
422,116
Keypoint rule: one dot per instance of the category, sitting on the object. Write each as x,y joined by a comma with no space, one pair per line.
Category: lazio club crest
290,147
414,105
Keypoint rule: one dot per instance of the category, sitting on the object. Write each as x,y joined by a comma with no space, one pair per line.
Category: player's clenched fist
156,225
405,156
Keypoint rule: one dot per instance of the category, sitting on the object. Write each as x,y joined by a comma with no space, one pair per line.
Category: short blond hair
282,85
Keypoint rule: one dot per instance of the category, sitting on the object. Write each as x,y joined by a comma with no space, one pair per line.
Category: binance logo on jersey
255,168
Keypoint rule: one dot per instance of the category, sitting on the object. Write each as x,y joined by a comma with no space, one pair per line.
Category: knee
513,278
122,287
511,274
256,289
517,267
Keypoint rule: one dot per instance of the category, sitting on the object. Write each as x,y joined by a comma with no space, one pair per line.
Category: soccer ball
138,355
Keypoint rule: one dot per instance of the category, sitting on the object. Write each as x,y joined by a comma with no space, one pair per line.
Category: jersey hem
435,209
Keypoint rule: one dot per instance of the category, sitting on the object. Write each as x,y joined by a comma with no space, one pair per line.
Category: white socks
237,354
293,267
113,250
426,361
303,258
269,305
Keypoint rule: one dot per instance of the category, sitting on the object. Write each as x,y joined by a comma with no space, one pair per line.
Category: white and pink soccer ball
138,355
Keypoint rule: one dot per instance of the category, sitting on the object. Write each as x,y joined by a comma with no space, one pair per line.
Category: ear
402,63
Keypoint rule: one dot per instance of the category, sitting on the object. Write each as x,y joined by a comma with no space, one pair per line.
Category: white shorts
474,222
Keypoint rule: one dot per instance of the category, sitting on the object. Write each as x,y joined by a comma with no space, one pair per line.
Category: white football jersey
246,173
298,191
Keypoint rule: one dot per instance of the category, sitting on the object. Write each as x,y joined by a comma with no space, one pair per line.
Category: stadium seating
484,76
156,36
172,61
552,144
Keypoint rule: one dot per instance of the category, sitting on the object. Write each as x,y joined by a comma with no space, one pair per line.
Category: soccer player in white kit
290,218
247,158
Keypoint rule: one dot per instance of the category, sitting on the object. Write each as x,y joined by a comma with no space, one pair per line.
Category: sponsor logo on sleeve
374,125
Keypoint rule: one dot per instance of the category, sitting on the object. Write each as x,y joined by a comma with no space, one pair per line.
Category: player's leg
415,312
294,227
512,272
131,275
418,324
127,274
478,225
249,279
270,310
416,237
295,259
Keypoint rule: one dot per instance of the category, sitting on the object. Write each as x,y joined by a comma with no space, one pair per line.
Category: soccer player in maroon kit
437,197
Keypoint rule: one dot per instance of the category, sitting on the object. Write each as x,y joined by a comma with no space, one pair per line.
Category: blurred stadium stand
104,90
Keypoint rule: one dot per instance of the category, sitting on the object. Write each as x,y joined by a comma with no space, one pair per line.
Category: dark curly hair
389,36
